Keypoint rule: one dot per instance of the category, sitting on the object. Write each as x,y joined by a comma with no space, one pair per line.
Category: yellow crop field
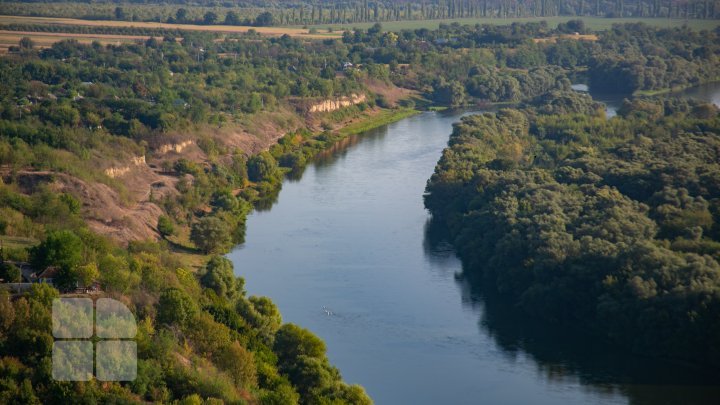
229,29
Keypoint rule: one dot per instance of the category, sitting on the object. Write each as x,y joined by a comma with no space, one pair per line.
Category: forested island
607,223
130,168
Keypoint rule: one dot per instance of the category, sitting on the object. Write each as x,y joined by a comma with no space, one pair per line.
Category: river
352,235
613,101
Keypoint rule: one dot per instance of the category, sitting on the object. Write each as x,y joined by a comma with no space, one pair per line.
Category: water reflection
709,92
566,355
612,101
268,200
351,235
340,149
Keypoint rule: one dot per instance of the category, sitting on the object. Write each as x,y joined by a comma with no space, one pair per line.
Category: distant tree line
360,11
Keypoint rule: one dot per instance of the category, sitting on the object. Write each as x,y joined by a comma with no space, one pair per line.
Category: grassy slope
16,242
180,243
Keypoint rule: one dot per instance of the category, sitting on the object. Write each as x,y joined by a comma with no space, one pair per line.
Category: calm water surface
613,101
352,235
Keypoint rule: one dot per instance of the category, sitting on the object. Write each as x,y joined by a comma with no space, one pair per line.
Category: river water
352,235
613,101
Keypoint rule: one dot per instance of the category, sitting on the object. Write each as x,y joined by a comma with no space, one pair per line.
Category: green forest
612,222
294,12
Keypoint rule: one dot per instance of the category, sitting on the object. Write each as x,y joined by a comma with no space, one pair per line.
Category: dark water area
709,92
351,234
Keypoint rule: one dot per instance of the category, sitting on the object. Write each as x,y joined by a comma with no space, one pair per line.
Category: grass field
15,242
46,39
594,23
226,29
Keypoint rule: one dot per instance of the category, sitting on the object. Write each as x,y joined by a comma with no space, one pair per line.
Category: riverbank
293,152
541,267
385,117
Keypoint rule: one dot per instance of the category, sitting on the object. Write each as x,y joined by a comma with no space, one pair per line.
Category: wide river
351,238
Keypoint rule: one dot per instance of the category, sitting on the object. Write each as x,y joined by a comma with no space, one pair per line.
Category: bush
219,277
210,234
60,248
262,167
382,102
165,226
10,273
175,307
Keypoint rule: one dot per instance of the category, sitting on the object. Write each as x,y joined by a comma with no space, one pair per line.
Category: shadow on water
322,160
563,353
267,202
339,150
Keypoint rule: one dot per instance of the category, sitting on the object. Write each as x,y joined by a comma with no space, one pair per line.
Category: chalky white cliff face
338,103
174,147
113,172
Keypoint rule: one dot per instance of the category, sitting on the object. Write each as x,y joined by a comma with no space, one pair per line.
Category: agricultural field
594,23
226,29
46,39
10,38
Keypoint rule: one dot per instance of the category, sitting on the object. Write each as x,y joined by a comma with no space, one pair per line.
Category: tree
43,294
282,394
26,43
292,341
238,362
119,13
265,19
219,277
175,307
210,18
165,226
239,169
60,248
254,103
310,374
10,273
210,234
262,167
78,276
181,15
232,18
262,314
86,275
450,93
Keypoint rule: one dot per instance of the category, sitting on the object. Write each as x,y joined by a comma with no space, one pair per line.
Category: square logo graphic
116,360
72,360
113,320
74,322
72,318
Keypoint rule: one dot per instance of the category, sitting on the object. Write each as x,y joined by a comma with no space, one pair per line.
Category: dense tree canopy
574,215
612,223
298,12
